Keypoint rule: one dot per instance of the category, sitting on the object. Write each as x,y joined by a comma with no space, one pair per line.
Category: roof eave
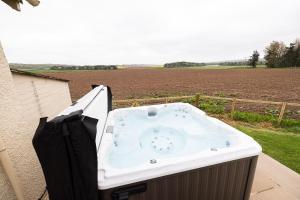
15,4
26,73
33,2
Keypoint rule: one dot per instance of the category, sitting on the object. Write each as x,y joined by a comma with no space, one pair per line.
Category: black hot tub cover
67,152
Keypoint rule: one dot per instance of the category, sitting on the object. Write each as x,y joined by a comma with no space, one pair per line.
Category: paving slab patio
274,181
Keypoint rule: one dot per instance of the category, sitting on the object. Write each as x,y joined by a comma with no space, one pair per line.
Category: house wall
8,104
41,97
23,100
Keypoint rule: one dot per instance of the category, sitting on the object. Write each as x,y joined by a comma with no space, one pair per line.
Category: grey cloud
140,31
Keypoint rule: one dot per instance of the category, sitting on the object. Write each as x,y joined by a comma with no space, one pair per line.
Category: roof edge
15,4
17,71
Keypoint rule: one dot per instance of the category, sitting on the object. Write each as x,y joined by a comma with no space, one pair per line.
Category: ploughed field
264,84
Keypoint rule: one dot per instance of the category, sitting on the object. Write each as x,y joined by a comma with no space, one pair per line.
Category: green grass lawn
282,145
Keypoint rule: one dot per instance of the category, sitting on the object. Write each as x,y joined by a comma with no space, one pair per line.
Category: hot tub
168,152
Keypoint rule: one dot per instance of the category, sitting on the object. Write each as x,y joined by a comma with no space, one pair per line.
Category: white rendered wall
23,100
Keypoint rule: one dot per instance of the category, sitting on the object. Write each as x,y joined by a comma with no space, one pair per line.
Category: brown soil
265,84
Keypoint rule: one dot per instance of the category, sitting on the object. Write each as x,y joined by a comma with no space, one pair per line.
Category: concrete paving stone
274,181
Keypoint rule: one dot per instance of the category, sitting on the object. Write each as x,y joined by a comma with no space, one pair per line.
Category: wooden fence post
137,102
233,107
197,98
281,112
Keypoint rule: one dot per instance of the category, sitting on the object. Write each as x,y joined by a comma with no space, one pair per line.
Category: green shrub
289,125
212,107
286,123
252,117
190,100
218,107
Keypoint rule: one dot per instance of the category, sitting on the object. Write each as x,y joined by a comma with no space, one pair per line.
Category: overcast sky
140,31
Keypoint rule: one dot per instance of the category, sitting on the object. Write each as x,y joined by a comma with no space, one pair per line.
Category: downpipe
10,172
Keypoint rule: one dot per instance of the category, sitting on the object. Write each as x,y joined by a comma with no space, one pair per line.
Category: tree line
277,54
183,64
238,63
85,67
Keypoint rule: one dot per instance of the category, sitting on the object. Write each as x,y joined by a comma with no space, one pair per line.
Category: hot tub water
145,135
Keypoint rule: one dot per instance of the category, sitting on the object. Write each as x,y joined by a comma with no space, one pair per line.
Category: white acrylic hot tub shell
94,104
109,176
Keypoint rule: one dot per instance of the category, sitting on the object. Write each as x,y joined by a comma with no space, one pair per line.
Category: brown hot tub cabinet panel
226,181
